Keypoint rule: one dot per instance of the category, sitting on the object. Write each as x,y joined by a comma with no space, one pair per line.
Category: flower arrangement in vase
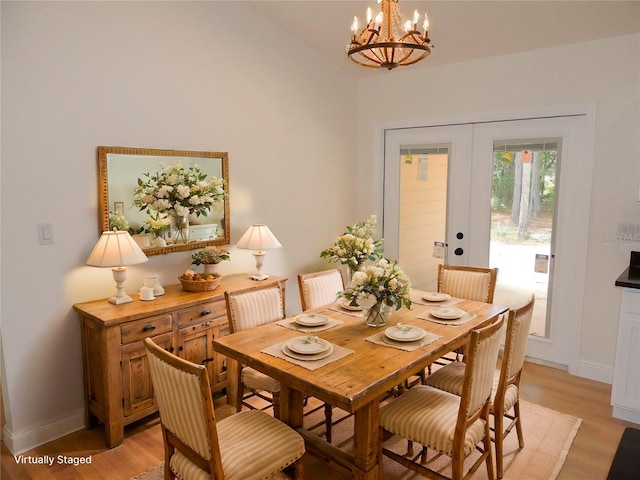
179,192
356,246
210,257
158,225
377,288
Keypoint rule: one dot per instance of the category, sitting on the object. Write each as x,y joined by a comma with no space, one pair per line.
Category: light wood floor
589,459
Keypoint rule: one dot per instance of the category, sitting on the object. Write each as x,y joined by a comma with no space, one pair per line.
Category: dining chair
449,424
197,445
471,283
248,308
316,290
319,288
505,394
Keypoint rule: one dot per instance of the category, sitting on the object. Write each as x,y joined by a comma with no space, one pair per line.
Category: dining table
364,364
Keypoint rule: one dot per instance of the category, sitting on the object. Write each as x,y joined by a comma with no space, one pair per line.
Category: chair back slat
320,288
254,307
516,341
180,403
481,359
472,283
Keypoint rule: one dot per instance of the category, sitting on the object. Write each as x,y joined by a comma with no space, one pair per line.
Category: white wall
173,75
604,74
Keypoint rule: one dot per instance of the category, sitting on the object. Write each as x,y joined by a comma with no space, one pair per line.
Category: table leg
233,379
366,442
291,404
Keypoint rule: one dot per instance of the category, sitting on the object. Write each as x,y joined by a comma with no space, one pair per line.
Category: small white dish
308,345
318,356
447,313
405,333
344,303
436,297
311,319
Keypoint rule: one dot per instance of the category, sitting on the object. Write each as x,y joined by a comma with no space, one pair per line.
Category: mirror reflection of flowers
179,191
356,245
383,281
117,221
157,224
210,255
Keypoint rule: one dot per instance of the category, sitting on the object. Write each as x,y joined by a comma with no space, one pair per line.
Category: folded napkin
381,339
337,354
458,321
293,325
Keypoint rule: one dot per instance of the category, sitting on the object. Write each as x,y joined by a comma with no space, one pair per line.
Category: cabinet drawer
134,331
205,312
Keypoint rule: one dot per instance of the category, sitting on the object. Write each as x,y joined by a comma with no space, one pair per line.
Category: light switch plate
45,233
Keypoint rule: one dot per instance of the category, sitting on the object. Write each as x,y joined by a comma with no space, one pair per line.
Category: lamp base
120,300
259,277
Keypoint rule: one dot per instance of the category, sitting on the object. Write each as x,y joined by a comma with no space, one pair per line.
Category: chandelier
386,42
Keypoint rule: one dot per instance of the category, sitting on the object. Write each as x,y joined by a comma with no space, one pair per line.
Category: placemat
291,324
338,353
379,339
459,321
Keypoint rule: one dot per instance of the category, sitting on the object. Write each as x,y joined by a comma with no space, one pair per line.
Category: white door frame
576,191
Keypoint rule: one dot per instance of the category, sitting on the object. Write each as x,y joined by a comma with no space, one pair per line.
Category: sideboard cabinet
117,382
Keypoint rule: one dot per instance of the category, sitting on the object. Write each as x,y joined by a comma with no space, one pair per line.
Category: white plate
297,356
311,319
308,345
447,313
345,304
436,297
405,333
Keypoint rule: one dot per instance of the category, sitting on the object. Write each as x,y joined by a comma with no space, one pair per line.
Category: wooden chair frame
274,398
463,421
303,278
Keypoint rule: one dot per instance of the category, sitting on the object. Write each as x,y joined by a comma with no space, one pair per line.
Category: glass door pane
423,212
523,199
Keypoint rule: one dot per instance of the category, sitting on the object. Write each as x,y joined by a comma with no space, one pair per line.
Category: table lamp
258,237
117,249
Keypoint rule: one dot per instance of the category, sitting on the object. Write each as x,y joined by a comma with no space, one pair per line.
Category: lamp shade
116,249
258,237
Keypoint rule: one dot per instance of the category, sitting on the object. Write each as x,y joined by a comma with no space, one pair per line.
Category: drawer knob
204,313
149,328
207,360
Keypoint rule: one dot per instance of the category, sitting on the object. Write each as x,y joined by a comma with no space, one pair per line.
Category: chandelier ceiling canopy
386,42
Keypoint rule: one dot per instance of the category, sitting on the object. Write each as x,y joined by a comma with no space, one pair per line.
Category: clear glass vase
378,315
180,228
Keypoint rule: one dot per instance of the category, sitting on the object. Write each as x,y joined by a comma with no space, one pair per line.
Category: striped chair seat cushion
428,416
256,380
242,438
449,378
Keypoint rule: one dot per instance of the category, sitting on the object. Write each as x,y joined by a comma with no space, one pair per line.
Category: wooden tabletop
365,375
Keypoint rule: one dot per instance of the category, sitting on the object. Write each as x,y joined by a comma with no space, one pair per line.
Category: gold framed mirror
126,175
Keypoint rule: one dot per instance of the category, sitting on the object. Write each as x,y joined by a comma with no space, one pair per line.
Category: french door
440,186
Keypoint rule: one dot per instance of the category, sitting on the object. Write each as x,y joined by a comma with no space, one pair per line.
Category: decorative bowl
199,283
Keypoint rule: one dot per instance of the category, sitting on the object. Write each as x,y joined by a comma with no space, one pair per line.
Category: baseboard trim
20,442
626,414
594,371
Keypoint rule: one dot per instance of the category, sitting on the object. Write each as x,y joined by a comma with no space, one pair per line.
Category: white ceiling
461,30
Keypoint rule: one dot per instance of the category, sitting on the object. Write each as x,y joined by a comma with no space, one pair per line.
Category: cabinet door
195,344
136,379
